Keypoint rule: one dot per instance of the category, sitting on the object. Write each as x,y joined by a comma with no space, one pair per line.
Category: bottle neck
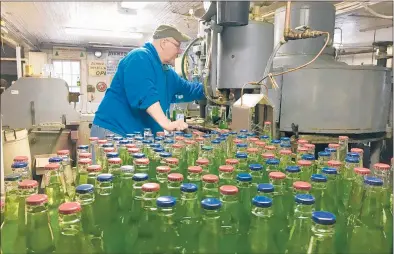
302,211
12,202
194,176
53,177
211,217
149,200
167,215
137,189
70,224
104,188
323,231
319,186
279,186
85,199
373,204
262,212
38,214
189,204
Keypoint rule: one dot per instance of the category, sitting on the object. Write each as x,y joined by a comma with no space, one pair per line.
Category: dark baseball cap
165,31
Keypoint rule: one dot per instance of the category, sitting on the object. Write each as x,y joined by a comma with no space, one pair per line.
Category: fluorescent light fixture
133,5
103,33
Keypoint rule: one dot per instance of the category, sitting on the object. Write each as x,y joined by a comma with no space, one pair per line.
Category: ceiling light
133,5
103,33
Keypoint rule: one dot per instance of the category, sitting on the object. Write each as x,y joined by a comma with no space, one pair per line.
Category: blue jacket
140,81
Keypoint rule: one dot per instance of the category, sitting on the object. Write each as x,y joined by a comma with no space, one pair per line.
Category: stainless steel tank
327,97
243,53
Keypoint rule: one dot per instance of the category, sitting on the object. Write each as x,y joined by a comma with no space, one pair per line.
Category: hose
185,54
374,12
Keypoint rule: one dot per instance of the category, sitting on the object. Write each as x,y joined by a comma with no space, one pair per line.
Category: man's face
171,49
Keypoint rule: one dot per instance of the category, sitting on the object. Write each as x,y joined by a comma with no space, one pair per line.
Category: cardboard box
40,161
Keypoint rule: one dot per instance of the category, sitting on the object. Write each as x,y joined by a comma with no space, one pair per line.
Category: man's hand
178,125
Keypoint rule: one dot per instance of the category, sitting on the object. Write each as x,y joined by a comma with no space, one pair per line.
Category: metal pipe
214,63
286,30
18,62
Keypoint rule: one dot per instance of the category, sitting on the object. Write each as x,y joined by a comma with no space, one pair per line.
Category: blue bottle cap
159,138
12,177
272,161
211,204
138,177
329,171
20,164
330,150
216,141
293,169
55,160
242,145
318,178
285,145
355,155
124,142
243,131
207,148
83,147
169,135
112,155
233,133
285,138
244,177
147,142
168,141
222,138
352,160
108,145
214,132
139,138
305,199
264,137
188,187
84,188
370,180
110,135
165,201
324,154
137,133
155,145
158,149
130,135
255,167
275,141
104,178
206,136
250,134
261,201
308,157
242,136
148,135
224,135
241,155
323,218
165,155
188,135
117,138
127,169
265,188
178,133
147,129
138,155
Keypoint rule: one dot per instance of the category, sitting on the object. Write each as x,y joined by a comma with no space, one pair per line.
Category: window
70,71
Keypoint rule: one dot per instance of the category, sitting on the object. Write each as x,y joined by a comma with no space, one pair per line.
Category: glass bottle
357,193
167,225
323,231
174,185
194,176
146,149
82,149
22,169
93,147
311,148
360,153
256,171
301,143
204,164
244,184
323,159
242,166
330,202
276,143
93,172
67,174
333,153
265,157
300,152
122,150
253,156
173,163
82,171
319,187
285,140
271,149
272,165
260,146
267,129
109,153
306,169
343,148
162,176
209,235
141,165
114,165
382,171
285,159
210,186
126,195
147,131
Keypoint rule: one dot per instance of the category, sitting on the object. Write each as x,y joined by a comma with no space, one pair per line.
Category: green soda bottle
9,229
242,166
93,148
71,238
272,165
173,163
191,152
179,152
126,187
370,223
231,143
82,171
218,156
256,171
311,158
230,220
360,153
253,156
323,159
261,225
189,218
131,152
122,150
357,193
306,169
299,187
100,155
67,174
195,177
114,165
244,184
168,144
330,202
141,164
85,197
109,155
293,174
241,148
300,232
319,187
343,147
323,231
265,189
174,185
204,164
347,179
93,172
208,240
154,162
276,143
147,237
210,186
39,236
226,175
207,153
25,189
278,191
167,235
162,178
264,157
285,159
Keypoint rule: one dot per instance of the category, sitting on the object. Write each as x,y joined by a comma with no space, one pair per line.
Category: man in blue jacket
143,88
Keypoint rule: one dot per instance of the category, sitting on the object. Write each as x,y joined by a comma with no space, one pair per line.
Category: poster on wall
69,53
97,69
113,60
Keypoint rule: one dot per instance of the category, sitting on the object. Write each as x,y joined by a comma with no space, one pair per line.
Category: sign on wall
69,53
113,60
97,69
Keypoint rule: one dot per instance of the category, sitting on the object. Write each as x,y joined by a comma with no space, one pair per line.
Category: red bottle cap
334,163
343,137
27,184
2,203
190,142
277,175
21,158
69,208
232,161
142,161
133,150
37,199
63,152
336,146
163,169
299,185
228,190
362,171
210,178
93,139
85,155
226,168
270,148
253,139
115,161
267,122
160,134
285,152
381,166
150,187
109,149
302,142
131,146
199,139
175,177
260,143
102,141
304,163
310,146
85,161
177,145
194,169
172,161
179,138
357,150
202,162
237,141
302,149
94,168
52,166
268,155
252,150
197,133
